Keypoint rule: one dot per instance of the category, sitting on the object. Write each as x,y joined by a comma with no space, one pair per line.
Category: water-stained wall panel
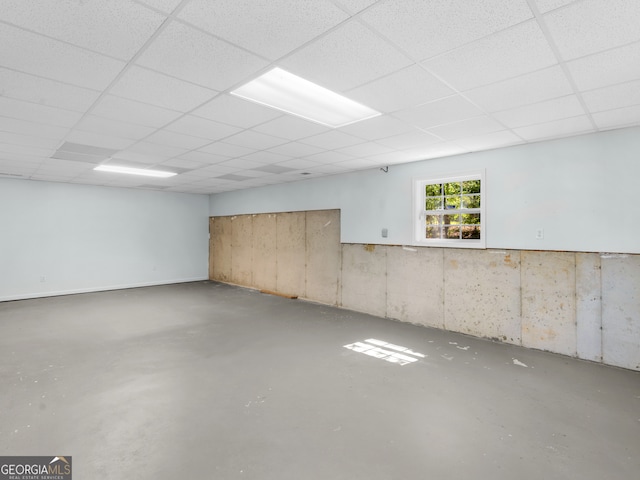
589,306
241,243
264,251
549,301
323,256
482,293
415,285
621,310
364,282
290,253
220,249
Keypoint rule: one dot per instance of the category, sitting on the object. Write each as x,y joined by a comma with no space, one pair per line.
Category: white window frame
419,211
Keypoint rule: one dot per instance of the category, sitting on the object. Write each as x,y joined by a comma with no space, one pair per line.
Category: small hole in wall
305,173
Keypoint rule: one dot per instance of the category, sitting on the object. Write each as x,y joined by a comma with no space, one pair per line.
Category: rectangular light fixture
134,171
285,91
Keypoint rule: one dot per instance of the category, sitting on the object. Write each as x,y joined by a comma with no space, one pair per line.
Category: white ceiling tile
510,53
365,149
328,169
290,127
254,140
556,129
345,58
619,117
183,163
34,112
248,23
11,148
161,90
329,157
66,166
548,5
266,157
525,89
591,26
607,68
178,140
125,110
236,111
424,29
151,150
228,150
355,6
241,163
406,88
38,55
409,140
358,164
203,157
298,163
295,149
378,127
489,140
30,88
166,6
201,127
92,123
332,140
31,128
34,141
184,52
99,140
439,112
542,112
132,157
615,96
444,149
467,128
112,27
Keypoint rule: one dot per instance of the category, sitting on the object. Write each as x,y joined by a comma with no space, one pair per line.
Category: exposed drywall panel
364,282
549,301
58,238
242,249
264,251
415,285
589,306
290,253
323,256
220,249
482,293
546,186
621,310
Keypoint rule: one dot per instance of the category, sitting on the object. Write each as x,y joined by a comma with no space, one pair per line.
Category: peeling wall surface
584,305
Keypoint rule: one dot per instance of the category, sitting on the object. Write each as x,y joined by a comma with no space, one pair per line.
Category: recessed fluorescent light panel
134,171
285,91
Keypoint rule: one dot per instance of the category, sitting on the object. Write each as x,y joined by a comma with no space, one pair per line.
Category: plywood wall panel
220,250
323,256
364,282
621,310
242,244
415,284
549,301
482,293
589,306
264,251
290,253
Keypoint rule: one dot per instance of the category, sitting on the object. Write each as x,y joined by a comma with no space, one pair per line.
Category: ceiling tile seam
340,5
126,68
563,65
22,72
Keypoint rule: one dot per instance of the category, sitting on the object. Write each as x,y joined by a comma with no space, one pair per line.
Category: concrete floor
206,380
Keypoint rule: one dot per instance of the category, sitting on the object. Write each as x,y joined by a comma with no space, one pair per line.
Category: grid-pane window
450,211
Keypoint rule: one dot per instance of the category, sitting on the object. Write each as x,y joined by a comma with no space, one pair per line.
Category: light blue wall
582,191
85,238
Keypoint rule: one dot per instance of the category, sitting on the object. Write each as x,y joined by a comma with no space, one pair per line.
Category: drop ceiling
146,84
